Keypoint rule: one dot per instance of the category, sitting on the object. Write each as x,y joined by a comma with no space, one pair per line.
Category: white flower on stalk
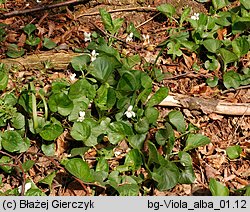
26,188
81,116
10,128
130,113
130,37
72,77
195,16
93,55
87,36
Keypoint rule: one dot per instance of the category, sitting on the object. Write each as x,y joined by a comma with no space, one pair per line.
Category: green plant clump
111,102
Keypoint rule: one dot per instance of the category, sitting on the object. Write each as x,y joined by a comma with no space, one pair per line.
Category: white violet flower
26,187
81,116
10,128
146,39
130,113
129,37
87,36
93,55
72,77
195,16
117,153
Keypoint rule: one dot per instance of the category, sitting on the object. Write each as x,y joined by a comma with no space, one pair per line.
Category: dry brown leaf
194,56
69,14
188,61
5,187
37,178
238,185
215,116
211,172
8,21
21,40
90,153
12,37
74,189
187,189
33,149
203,90
229,178
159,193
221,33
198,89
246,173
53,192
41,31
242,181
32,172
188,113
203,149
216,160
123,145
210,148
67,35
150,57
61,144
43,162
51,26
45,15
57,75
243,170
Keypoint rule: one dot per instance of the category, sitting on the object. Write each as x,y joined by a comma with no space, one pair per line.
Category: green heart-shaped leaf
218,189
195,140
79,169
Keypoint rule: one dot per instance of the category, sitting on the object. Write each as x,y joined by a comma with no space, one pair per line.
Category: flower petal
130,108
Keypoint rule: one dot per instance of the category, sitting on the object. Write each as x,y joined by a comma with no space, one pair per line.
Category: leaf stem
45,106
185,133
34,109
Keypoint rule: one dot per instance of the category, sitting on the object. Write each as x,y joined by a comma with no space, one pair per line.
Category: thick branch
57,61
207,106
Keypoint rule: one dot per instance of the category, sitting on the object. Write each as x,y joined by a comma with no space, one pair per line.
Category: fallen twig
150,19
191,74
106,33
131,9
19,165
232,89
41,8
112,36
177,76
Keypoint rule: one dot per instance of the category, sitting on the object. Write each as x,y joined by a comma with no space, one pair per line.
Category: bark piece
57,60
207,106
